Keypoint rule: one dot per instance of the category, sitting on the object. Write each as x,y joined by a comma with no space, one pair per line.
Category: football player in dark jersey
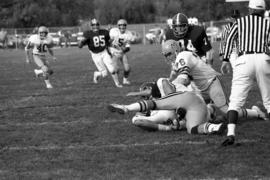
192,37
98,41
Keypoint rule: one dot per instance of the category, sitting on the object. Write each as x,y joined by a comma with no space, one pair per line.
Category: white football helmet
180,25
122,25
170,49
43,32
95,24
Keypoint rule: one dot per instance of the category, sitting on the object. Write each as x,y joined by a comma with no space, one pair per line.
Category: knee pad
104,73
44,69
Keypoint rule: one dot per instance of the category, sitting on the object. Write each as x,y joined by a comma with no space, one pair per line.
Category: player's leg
263,80
41,62
102,71
241,84
113,68
196,120
170,102
127,69
219,97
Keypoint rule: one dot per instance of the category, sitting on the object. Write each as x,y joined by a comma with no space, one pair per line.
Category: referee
252,33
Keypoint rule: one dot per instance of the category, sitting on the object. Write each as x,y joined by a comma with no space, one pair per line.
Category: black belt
248,52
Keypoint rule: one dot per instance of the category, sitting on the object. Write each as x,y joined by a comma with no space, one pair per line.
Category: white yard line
47,123
93,147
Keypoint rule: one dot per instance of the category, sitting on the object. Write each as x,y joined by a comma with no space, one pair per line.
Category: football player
169,107
167,120
121,39
41,43
98,41
189,66
191,37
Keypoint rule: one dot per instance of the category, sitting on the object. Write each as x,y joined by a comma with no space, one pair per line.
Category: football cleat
261,114
49,86
229,141
121,109
96,77
119,85
126,81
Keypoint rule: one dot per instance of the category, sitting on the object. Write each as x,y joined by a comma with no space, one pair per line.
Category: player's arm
51,52
82,42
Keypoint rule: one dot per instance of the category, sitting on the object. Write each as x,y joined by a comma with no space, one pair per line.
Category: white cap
257,4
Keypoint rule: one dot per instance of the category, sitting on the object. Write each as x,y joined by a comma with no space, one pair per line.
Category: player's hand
229,141
132,94
225,68
27,61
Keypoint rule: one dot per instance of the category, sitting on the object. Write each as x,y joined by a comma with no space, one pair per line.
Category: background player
252,64
98,41
121,39
192,37
40,44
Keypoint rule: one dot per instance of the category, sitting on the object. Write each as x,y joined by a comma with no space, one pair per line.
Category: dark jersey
195,40
96,41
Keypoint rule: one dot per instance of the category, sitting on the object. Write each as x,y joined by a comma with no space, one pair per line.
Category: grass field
67,132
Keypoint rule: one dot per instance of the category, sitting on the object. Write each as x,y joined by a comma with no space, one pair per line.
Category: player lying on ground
40,44
167,120
187,64
196,111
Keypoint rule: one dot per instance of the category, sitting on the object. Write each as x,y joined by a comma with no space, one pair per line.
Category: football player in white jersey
40,44
190,67
169,107
121,38
167,120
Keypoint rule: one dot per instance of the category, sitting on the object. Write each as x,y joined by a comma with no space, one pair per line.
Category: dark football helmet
155,93
180,25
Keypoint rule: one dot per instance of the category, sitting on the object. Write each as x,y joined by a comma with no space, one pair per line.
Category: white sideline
86,146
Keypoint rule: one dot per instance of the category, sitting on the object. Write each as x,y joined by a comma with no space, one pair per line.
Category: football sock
231,129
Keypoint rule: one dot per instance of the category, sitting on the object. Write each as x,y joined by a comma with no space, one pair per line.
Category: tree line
30,13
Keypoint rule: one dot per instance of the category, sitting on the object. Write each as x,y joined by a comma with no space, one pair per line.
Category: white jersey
189,63
40,45
120,39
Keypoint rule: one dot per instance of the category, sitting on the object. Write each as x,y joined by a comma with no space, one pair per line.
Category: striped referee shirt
252,33
224,36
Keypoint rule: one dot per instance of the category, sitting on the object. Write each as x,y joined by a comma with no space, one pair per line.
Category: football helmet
152,86
257,4
170,49
122,25
43,32
180,25
95,24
